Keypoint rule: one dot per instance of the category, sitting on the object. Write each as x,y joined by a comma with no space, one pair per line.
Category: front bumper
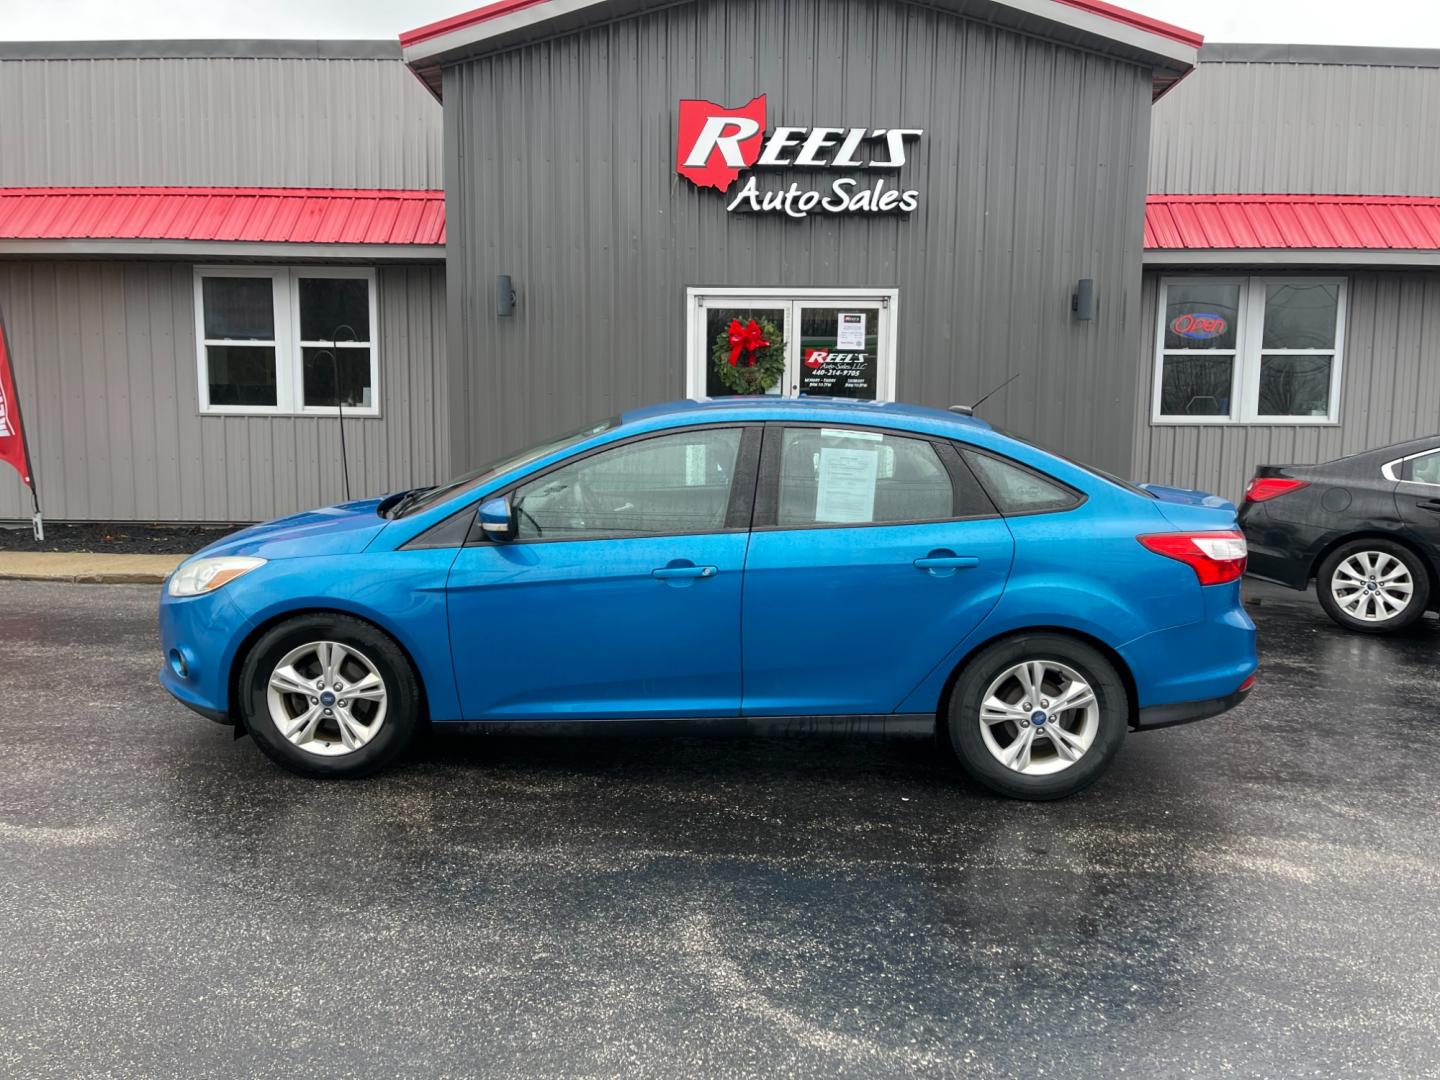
199,636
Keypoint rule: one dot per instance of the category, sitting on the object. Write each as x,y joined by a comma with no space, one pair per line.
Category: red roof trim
1255,222
1138,21
506,7
464,19
239,214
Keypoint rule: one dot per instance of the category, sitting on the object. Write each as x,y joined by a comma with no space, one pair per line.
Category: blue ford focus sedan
744,560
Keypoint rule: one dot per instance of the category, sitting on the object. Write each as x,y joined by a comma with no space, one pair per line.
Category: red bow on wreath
748,338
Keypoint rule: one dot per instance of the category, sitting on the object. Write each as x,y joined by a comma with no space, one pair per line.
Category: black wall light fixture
1082,300
504,296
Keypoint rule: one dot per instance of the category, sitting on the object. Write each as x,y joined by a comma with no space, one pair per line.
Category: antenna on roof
969,410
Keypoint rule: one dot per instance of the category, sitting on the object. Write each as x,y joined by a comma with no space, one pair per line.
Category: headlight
207,575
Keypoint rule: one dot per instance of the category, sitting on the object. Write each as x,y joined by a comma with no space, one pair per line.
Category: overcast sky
1376,22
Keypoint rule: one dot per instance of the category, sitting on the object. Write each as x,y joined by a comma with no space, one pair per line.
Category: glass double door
831,344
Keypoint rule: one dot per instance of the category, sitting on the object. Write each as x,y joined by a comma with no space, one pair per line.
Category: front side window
279,340
1249,350
670,484
842,476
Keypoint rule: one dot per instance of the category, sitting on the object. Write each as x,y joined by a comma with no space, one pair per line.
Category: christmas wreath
749,358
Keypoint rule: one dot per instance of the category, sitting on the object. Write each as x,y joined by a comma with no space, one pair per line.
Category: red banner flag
12,432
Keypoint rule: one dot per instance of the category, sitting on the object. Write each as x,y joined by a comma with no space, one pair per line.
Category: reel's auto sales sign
716,145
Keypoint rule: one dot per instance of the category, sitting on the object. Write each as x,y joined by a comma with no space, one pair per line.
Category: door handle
945,560
666,573
1433,505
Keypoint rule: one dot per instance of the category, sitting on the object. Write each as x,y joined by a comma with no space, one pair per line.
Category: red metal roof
1255,222
506,7
258,215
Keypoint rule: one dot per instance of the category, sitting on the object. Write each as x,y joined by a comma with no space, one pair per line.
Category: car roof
839,410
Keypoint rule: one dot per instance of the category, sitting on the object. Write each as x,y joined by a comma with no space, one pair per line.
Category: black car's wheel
1037,717
328,696
1373,586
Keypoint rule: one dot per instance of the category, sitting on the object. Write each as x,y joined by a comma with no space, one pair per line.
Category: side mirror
496,520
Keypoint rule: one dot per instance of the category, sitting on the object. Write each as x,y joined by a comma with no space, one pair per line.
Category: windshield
1126,484
428,497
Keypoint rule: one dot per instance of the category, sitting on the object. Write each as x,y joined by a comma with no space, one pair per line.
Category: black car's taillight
1265,488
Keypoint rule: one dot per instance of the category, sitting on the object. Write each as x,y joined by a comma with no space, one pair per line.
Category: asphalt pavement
1255,895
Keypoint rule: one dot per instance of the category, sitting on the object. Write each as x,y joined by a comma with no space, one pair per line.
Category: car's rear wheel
329,695
1373,586
1038,716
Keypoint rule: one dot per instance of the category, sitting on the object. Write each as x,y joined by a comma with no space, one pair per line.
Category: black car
1366,528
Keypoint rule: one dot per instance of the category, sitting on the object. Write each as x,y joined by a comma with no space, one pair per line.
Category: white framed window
287,340
1249,350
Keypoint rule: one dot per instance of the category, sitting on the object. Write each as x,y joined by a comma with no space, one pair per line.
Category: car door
1417,495
873,554
620,595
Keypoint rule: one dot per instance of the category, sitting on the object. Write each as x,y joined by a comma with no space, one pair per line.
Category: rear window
1133,488
1018,490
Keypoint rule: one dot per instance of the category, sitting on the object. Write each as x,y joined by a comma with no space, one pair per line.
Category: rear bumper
1185,712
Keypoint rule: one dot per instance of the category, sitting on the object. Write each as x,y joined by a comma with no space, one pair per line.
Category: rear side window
1424,470
844,476
1018,490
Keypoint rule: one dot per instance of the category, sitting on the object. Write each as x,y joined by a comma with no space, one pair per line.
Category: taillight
1216,557
1264,488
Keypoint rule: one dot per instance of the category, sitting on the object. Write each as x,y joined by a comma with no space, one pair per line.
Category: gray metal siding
1390,391
270,121
105,360
1323,128
561,164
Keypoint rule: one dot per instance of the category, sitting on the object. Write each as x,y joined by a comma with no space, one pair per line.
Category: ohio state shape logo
716,144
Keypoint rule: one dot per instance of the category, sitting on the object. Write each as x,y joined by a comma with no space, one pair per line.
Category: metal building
546,211
1294,200
182,226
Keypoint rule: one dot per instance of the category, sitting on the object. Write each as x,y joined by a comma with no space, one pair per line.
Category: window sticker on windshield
846,433
846,489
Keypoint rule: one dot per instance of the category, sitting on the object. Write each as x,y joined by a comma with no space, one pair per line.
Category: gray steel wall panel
105,359
1322,128
1390,392
269,122
561,158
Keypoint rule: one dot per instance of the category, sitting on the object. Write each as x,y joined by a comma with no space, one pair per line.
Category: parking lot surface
1256,895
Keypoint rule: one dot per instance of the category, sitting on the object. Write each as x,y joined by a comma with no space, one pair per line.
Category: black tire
963,716
1419,576
402,695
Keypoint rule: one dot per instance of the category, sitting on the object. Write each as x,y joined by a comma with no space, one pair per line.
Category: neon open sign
1201,326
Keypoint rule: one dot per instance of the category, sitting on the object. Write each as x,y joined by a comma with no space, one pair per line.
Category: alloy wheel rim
326,698
1039,717
1372,586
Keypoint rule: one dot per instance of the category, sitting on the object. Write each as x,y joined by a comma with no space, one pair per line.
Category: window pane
831,475
839,351
1294,386
239,308
1016,489
354,372
1196,385
670,484
717,333
1426,470
1301,316
328,304
241,374
1201,315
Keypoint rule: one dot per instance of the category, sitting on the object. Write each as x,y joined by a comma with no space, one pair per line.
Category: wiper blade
407,500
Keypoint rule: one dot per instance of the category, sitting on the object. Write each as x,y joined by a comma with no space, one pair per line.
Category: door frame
697,349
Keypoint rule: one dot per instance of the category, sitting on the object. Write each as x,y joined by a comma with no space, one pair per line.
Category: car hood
343,529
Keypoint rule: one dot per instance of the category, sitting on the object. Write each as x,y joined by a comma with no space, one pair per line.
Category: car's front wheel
329,696
1373,586
1038,716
